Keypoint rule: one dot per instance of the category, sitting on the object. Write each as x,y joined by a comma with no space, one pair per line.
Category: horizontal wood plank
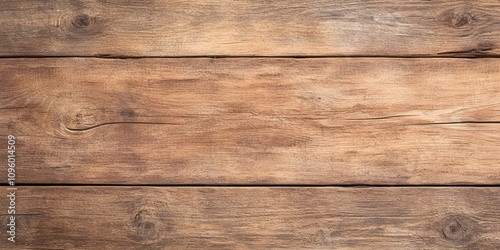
249,28
253,121
255,218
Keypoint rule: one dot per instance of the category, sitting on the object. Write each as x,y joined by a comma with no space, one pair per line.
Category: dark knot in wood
145,229
461,19
81,21
81,26
81,118
458,229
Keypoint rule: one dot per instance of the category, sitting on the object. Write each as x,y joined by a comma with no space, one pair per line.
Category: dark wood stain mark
127,113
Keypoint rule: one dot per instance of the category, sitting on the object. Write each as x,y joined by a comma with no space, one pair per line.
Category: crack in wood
460,122
379,118
480,51
118,123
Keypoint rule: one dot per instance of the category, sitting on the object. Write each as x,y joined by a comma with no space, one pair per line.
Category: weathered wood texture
248,28
256,218
253,121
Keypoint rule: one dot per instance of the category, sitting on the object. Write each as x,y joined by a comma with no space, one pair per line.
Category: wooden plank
255,218
253,121
249,28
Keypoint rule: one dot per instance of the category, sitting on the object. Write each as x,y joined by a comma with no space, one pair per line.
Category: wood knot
81,118
81,25
150,223
78,113
144,228
458,229
81,21
460,20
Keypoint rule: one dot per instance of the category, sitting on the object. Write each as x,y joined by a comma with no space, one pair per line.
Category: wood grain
253,121
256,218
124,28
279,102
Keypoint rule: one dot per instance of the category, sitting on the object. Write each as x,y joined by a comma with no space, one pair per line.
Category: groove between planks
253,121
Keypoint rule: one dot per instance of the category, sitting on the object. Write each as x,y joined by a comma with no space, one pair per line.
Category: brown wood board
123,28
256,218
253,121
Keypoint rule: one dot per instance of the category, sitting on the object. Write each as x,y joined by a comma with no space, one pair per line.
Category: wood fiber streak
256,218
124,28
253,121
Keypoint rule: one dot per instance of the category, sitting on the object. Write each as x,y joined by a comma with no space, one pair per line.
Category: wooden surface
254,121
257,218
249,28
176,124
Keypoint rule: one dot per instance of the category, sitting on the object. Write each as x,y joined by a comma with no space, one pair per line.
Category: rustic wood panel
253,121
256,218
249,28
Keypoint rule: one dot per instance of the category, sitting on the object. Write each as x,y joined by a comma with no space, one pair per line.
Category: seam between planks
262,185
464,56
